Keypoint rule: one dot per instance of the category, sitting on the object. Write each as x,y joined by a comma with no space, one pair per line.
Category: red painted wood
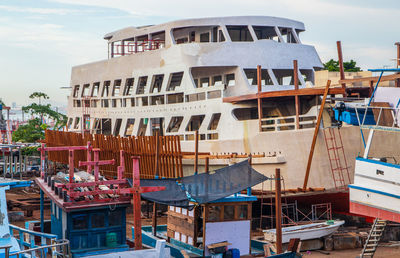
374,212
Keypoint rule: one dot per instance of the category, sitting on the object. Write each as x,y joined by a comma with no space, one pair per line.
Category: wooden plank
340,58
314,140
390,77
283,93
296,98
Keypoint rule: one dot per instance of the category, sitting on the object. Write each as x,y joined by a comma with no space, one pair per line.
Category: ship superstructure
201,74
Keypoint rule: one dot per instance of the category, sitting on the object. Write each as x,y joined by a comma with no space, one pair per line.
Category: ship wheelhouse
174,78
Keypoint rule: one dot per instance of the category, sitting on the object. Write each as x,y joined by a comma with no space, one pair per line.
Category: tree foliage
333,66
34,129
30,132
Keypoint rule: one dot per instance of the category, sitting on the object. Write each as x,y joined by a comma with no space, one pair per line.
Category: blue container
232,253
349,116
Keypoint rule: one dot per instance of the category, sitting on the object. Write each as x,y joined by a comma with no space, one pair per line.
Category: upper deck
132,40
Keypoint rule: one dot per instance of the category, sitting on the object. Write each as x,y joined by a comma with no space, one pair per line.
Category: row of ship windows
175,81
146,101
156,124
204,34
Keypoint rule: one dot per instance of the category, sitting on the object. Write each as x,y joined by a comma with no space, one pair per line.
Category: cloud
56,11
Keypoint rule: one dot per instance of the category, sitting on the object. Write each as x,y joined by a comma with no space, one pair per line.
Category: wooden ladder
337,157
373,238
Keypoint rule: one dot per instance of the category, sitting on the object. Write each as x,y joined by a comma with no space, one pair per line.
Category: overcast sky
40,40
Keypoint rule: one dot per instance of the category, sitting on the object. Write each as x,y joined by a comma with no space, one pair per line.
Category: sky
40,40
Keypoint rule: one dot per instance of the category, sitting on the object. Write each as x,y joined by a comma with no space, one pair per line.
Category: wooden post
341,68
398,61
259,100
71,166
157,175
314,140
207,160
196,152
137,220
296,98
88,157
278,211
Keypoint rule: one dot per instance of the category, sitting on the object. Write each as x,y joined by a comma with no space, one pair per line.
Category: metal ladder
337,157
373,238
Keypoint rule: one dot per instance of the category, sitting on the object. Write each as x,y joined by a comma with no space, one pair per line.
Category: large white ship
201,74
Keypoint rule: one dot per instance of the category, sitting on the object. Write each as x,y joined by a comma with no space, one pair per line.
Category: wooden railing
287,123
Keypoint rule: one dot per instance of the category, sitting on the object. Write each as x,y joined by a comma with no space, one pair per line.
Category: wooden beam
397,44
390,77
278,211
259,100
284,93
196,152
314,140
341,68
296,98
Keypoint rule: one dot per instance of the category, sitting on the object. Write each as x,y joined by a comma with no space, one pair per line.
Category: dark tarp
204,188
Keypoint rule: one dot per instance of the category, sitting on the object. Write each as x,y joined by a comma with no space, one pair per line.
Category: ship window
245,113
214,121
214,94
143,101
106,88
195,123
98,220
76,125
157,100
181,40
174,124
117,126
93,103
117,87
175,98
308,75
157,125
129,126
69,124
76,91
205,37
79,222
217,80
106,126
114,103
265,32
123,102
157,82
192,36
95,90
104,103
289,35
132,102
230,79
97,124
284,76
175,81
196,97
204,82
85,91
239,33
129,86
141,85
142,126
221,36
252,77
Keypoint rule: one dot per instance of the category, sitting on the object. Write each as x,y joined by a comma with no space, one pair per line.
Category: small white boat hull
304,232
376,188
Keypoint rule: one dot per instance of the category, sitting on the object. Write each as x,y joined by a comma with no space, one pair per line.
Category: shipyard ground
387,250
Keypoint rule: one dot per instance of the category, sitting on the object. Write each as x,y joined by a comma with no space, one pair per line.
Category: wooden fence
170,155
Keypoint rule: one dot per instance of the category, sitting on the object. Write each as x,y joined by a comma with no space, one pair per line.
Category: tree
34,129
333,66
30,132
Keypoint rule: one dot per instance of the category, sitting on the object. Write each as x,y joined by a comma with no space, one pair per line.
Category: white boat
201,74
304,232
376,187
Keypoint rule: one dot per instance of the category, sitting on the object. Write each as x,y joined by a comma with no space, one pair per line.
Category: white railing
287,123
385,118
